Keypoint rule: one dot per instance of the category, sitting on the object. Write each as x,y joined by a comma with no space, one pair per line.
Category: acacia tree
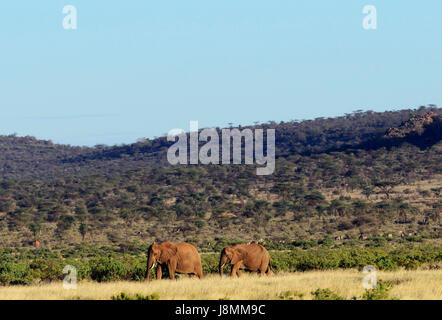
368,191
35,228
259,211
285,190
83,229
338,207
386,187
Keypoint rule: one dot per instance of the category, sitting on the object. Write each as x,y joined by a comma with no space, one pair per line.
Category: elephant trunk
150,265
222,263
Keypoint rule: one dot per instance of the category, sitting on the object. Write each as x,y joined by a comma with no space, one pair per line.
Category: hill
363,175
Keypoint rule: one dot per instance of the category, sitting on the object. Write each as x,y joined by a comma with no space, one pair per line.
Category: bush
139,271
15,273
210,263
47,269
345,225
108,269
386,263
326,294
23,266
290,295
138,296
381,292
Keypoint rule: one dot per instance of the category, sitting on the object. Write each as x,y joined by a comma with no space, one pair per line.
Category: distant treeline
28,157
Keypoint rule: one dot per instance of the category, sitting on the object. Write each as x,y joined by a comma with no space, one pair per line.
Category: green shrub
108,269
139,271
22,266
326,294
47,269
210,263
138,296
386,263
82,266
290,295
381,292
15,273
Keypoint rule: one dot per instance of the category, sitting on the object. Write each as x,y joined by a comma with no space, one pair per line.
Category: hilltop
362,175
28,157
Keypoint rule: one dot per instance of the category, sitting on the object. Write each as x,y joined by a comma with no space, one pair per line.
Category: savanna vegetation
102,264
362,189
363,175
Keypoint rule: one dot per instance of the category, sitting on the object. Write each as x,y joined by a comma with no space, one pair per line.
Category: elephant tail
269,269
200,273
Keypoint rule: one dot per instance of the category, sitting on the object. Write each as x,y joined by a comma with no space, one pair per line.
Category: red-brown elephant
252,257
180,258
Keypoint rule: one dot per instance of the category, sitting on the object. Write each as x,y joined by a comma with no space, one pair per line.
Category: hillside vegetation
365,176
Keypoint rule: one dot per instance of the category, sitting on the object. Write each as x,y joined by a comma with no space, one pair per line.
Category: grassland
417,284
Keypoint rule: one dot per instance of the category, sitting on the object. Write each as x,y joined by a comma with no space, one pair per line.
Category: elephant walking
252,257
180,258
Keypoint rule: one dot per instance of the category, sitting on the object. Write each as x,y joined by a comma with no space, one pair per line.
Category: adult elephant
252,257
180,258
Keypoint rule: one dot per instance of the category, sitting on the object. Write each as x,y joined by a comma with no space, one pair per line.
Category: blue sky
137,68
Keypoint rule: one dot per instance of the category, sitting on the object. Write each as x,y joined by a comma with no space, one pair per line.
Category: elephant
252,257
180,258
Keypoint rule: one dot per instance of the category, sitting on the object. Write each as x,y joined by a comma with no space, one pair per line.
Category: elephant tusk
153,266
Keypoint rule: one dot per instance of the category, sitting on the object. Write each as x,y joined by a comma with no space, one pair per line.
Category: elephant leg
239,272
159,272
264,268
235,268
172,267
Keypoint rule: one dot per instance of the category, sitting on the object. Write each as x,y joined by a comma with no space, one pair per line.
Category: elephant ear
168,250
238,255
154,247
227,251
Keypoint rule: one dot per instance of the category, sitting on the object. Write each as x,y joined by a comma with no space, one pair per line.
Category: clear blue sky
140,68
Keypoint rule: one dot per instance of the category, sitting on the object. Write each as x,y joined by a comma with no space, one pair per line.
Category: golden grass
422,284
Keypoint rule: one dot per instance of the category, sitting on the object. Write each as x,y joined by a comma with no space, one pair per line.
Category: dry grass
413,195
422,284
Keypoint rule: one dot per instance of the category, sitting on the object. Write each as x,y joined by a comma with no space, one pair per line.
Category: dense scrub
22,266
339,176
